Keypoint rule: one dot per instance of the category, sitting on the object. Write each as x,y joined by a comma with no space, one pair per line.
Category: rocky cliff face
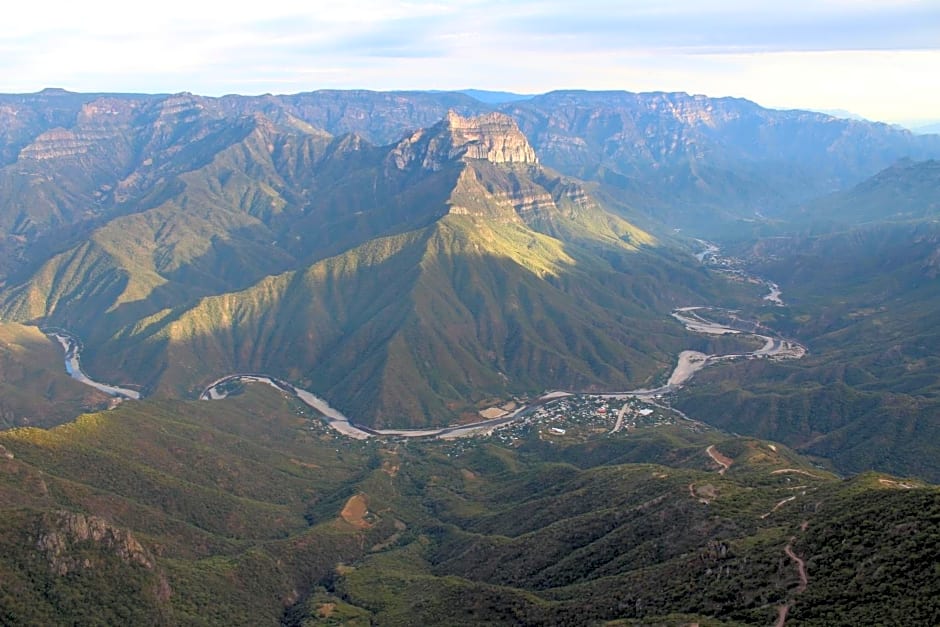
492,137
63,535
481,146
58,143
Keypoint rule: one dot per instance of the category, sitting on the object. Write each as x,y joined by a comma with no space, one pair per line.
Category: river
688,363
72,348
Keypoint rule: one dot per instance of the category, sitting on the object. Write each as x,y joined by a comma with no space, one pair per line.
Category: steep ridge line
689,362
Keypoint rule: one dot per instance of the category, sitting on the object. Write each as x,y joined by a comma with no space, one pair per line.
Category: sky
876,58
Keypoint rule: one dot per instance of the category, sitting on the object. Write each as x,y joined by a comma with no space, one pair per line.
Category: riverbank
72,348
688,363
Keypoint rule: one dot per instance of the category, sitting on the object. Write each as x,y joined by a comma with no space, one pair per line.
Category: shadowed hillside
860,281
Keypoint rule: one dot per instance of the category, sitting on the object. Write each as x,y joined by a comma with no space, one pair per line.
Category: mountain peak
493,137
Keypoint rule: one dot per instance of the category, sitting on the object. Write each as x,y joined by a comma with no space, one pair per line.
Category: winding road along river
689,362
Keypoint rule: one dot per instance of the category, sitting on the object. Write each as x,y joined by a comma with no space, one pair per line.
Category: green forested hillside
171,514
34,387
246,511
404,284
416,328
864,298
184,238
133,220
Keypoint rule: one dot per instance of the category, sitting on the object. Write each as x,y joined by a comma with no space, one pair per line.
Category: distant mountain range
687,160
908,191
842,113
494,97
931,128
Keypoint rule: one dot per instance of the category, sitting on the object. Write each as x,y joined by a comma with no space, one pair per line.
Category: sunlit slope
172,514
416,328
256,200
202,231
421,278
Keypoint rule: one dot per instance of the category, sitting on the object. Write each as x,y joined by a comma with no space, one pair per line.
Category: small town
588,414
583,416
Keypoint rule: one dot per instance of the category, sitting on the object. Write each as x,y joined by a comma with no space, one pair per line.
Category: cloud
737,26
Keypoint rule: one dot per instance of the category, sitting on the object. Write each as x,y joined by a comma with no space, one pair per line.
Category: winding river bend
689,362
73,366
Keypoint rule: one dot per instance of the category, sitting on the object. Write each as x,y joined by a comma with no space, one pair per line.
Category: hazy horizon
869,58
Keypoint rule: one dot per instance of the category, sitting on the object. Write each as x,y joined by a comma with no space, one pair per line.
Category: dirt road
800,567
721,460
